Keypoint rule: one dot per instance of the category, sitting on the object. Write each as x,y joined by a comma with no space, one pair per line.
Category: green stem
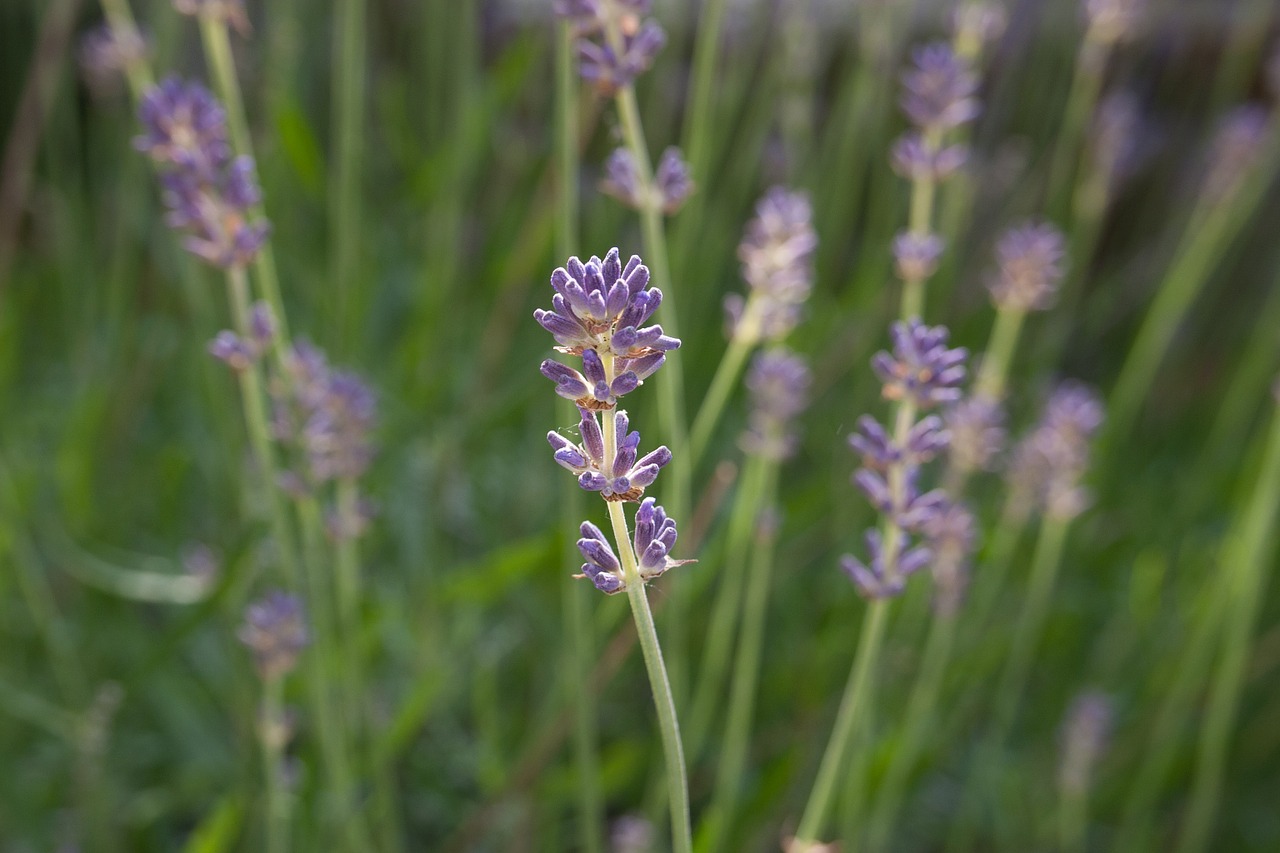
1086,83
344,210
217,46
673,753
698,115
1247,555
1000,348
1072,821
121,19
746,671
856,696
273,733
722,385
922,704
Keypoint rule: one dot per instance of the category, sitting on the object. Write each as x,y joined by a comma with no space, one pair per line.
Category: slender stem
999,355
217,48
746,670
1086,83
273,733
1073,809
723,383
698,115
855,698
348,110
921,705
574,602
1246,555
664,702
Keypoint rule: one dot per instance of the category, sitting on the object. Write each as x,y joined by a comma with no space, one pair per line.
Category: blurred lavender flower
976,425
672,182
777,264
952,534
879,453
210,194
1111,21
183,125
275,631
1049,463
939,89
610,69
655,536
238,353
916,255
1030,260
631,834
230,12
1117,134
327,414
1235,148
875,579
921,368
778,382
106,53
916,159
1085,734
623,479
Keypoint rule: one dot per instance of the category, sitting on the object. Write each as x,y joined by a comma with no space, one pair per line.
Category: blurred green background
127,704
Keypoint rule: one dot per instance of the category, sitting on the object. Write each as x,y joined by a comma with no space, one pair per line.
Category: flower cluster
275,630
655,536
616,44
922,373
106,52
597,311
778,383
210,193
939,95
952,535
239,353
672,183
1030,267
976,425
1084,740
1048,464
228,11
777,264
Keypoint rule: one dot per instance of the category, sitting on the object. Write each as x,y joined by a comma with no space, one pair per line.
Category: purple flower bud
621,180
939,89
655,536
1030,260
778,383
921,368
602,566
1049,463
327,415
609,70
977,432
262,326
673,180
916,159
777,263
874,579
229,348
275,631
916,255
185,126
106,53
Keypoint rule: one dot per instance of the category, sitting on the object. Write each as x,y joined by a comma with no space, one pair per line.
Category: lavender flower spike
611,70
874,579
275,631
672,184
939,89
183,125
1084,740
623,480
1030,259
654,538
777,264
921,368
778,383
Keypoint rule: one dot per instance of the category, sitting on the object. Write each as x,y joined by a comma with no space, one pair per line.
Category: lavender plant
598,311
1085,735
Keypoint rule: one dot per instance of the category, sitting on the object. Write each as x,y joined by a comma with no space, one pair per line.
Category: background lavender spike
275,631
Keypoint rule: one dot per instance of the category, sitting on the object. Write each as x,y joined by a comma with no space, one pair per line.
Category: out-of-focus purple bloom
1116,138
611,70
631,834
228,11
777,264
275,631
876,580
183,125
230,348
1030,266
952,535
879,452
976,426
628,475
200,562
1110,21
655,536
778,382
327,414
672,184
910,510
353,525
1235,149
921,369
917,159
1049,463
939,89
1085,734
106,53
916,256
